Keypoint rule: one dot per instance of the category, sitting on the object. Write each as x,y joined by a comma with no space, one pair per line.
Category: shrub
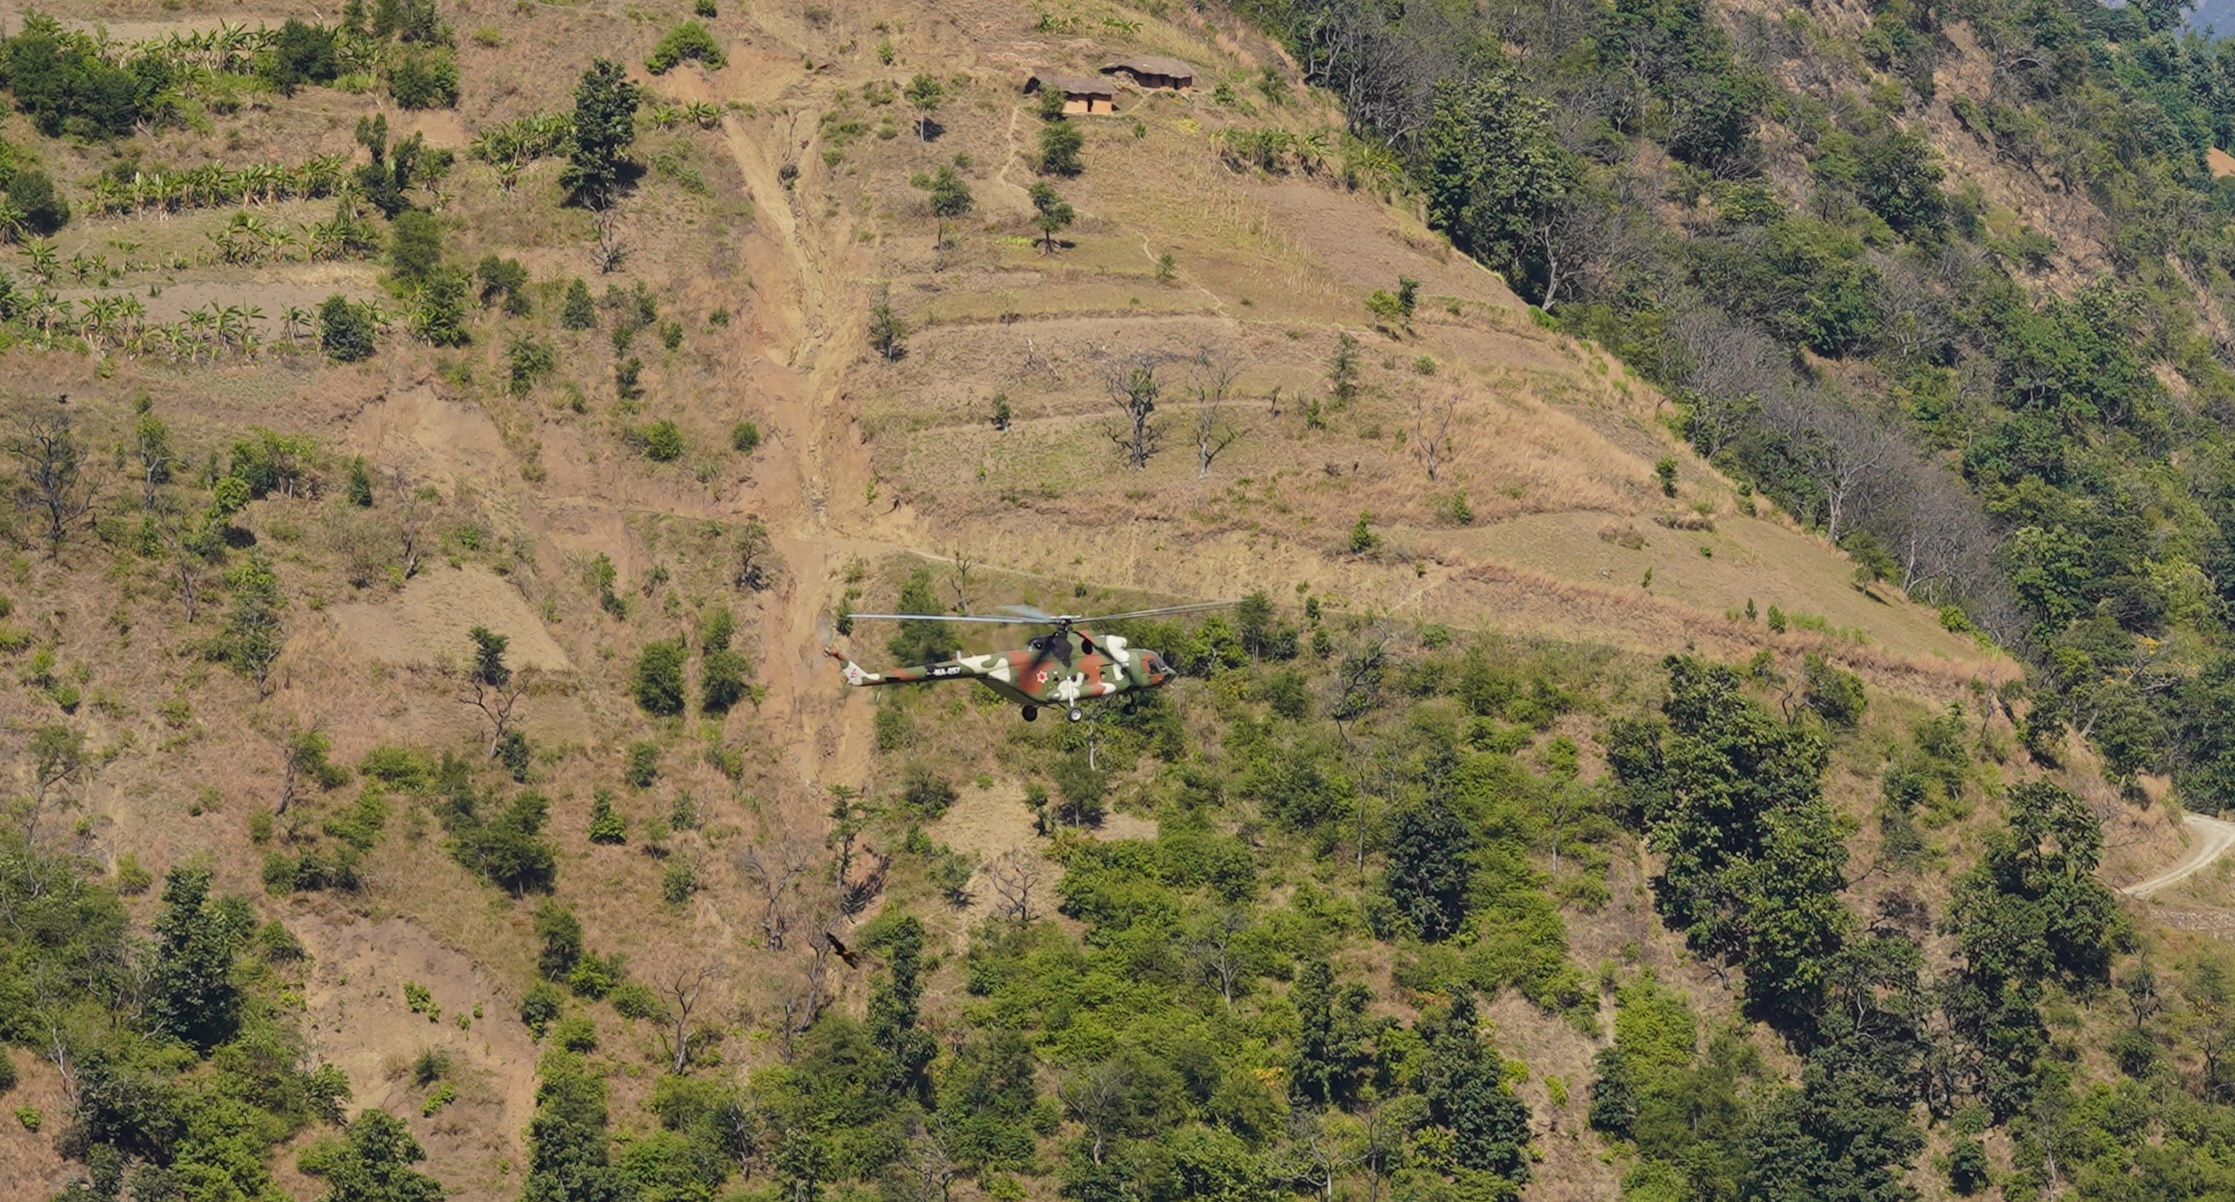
643,767
1836,695
594,976
924,796
44,210
7,1071
606,825
345,330
687,41
663,441
744,438
576,1033
527,360
705,8
678,883
131,878
541,1006
415,252
657,682
635,999
302,53
508,280
721,680
424,79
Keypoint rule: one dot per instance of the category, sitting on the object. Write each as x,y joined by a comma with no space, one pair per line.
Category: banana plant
40,261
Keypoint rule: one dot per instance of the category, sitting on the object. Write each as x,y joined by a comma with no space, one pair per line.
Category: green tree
1060,143
508,280
888,331
1334,1057
560,934
191,993
924,94
372,1163
2030,911
569,1154
919,642
358,490
1834,694
579,312
893,1008
1487,163
1463,1080
255,631
597,166
1052,214
657,683
950,197
1754,858
1429,848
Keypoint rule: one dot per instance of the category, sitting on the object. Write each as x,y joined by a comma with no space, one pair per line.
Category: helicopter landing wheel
1031,712
1076,713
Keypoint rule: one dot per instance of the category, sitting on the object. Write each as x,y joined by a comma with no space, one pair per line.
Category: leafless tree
57,478
929,1167
1312,1160
490,685
1214,948
60,768
1134,388
1847,457
410,523
611,250
777,868
964,563
300,751
185,537
1213,432
1431,431
1100,1097
682,988
1016,876
800,1003
151,447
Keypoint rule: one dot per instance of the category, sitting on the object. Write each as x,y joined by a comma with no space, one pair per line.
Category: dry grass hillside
1484,473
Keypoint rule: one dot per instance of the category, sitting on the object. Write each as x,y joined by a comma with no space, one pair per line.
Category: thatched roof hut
1081,93
1155,71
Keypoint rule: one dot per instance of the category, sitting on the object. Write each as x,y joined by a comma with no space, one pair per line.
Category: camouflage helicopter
1062,667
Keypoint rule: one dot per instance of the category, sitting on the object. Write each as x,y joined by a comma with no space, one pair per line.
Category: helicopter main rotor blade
1030,613
1161,611
942,618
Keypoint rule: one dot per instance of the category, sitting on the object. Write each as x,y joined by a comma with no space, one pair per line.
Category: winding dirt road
2213,837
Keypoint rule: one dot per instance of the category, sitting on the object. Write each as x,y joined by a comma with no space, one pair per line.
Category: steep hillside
357,357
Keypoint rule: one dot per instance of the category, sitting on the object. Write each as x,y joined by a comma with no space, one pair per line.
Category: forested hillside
1949,280
1722,505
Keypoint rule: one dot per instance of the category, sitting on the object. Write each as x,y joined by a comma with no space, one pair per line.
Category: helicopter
1062,667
